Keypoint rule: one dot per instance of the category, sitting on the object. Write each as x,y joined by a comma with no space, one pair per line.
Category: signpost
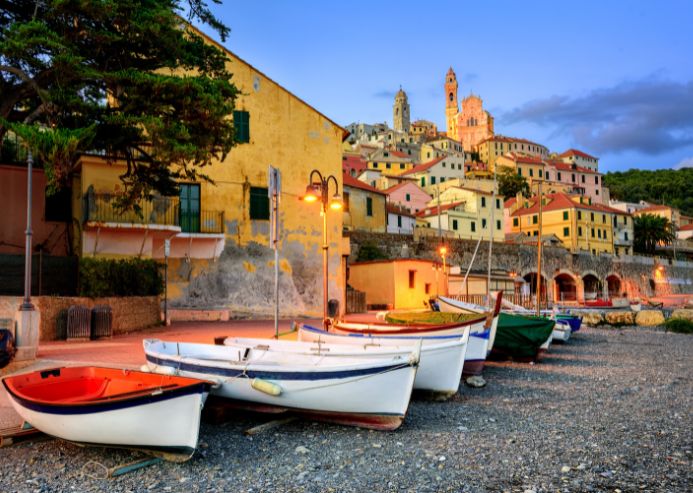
274,186
167,253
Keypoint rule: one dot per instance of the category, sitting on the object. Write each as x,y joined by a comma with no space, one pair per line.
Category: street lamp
318,190
443,252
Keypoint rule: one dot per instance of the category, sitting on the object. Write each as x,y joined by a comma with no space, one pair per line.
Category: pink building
584,181
409,195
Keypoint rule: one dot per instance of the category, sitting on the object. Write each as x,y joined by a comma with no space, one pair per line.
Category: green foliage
673,187
680,325
370,251
127,277
649,231
128,78
510,183
429,318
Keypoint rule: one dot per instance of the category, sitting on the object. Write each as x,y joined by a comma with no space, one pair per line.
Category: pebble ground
608,411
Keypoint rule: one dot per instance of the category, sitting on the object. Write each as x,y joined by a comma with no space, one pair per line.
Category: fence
355,301
524,300
49,275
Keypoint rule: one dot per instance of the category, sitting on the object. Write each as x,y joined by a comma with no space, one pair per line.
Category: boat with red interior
112,407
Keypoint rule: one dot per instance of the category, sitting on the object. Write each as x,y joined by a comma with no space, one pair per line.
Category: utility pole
490,241
539,248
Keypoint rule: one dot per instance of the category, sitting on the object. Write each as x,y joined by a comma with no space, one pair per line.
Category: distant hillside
673,187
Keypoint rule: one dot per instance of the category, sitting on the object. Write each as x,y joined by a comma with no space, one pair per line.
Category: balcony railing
165,211
102,207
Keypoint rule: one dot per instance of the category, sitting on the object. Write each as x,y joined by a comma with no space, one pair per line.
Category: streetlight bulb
443,251
336,202
312,193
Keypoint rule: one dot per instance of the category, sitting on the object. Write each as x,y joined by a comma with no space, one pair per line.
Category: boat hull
162,423
561,332
521,338
440,366
375,396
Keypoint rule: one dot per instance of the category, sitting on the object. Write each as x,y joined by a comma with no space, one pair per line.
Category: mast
490,241
539,245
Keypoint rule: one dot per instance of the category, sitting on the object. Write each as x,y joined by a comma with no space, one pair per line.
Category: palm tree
649,231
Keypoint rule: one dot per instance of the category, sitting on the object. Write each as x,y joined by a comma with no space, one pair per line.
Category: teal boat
520,337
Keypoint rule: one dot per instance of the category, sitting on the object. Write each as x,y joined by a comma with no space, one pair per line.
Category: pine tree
126,78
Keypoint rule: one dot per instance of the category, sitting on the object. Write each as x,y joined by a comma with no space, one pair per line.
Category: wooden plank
23,433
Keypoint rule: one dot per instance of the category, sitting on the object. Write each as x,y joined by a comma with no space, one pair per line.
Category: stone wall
635,272
129,313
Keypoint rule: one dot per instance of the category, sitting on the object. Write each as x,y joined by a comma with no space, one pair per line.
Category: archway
613,285
531,280
566,288
592,287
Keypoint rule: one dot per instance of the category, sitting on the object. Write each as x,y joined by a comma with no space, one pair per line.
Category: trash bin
332,308
101,321
78,322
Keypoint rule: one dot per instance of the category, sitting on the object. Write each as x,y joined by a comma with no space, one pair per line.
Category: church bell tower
451,106
400,112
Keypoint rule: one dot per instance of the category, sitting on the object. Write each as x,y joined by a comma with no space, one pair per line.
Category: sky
612,78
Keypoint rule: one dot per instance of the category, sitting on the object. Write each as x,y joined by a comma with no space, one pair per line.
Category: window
559,176
579,230
566,232
498,224
427,288
565,215
531,172
497,203
604,218
444,164
596,192
442,179
599,233
259,203
190,207
58,207
412,279
454,224
548,177
399,221
535,219
515,222
592,232
433,180
369,206
483,201
375,165
579,214
536,233
388,165
423,181
519,171
401,166
572,177
540,173
483,224
592,216
473,226
241,125
407,197
345,202
583,178
596,180
625,235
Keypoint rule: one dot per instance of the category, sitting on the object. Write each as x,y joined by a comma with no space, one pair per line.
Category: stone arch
530,278
565,286
592,286
615,285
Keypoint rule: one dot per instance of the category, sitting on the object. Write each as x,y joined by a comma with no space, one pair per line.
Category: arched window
451,97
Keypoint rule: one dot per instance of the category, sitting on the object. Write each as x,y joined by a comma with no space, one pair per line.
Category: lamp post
27,305
318,189
443,252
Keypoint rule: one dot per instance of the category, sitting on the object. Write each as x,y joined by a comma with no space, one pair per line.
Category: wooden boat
367,392
480,329
442,357
522,337
112,407
561,331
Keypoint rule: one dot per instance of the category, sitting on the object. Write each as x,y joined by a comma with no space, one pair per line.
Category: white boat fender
266,387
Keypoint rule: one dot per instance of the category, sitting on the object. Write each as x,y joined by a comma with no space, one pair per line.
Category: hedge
127,277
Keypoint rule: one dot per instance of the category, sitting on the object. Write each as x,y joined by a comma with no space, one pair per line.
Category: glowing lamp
336,203
312,193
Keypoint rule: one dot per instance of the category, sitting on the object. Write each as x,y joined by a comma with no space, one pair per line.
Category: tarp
520,336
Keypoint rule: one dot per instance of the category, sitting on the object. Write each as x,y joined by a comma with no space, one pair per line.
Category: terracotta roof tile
350,181
433,211
575,152
558,201
424,166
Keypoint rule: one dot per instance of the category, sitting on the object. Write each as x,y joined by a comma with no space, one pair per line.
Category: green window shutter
566,231
565,215
535,219
454,224
369,206
241,123
189,214
423,181
515,222
473,226
498,224
408,197
259,203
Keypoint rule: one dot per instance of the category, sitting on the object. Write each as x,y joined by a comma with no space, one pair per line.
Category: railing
525,300
208,222
102,207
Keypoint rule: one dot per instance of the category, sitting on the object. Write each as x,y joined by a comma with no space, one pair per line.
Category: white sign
274,191
167,247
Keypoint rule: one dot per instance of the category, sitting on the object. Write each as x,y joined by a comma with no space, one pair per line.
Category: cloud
651,116
685,163
385,94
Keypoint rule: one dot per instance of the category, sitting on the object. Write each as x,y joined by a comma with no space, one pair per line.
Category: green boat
520,337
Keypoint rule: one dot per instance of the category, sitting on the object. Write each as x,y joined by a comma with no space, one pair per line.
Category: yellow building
493,147
466,213
398,284
364,207
390,162
531,167
580,225
219,231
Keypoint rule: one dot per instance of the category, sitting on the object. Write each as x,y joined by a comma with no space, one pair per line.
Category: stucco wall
129,313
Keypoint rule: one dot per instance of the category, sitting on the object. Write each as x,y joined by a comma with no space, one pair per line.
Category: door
190,207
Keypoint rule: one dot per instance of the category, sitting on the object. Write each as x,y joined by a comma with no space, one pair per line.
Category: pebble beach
608,411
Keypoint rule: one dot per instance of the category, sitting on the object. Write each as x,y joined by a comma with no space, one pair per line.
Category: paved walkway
126,350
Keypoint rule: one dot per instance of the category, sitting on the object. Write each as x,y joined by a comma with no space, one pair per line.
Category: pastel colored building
219,231
491,148
582,226
354,164
364,207
437,171
582,180
472,124
389,161
400,220
579,158
408,194
397,284
467,214
421,129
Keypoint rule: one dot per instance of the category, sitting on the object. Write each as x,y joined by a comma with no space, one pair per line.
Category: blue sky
612,78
